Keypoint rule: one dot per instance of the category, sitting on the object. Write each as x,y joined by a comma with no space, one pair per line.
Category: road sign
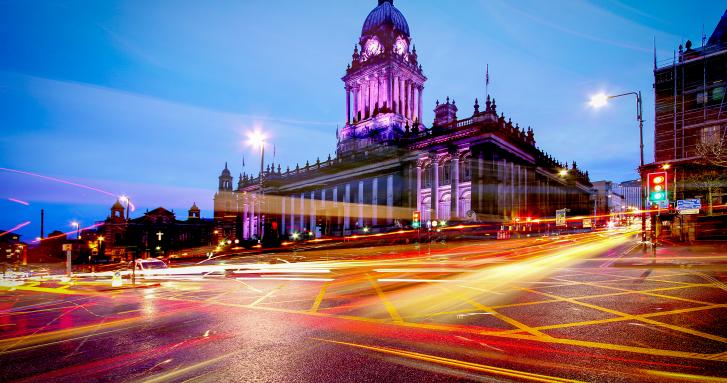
587,223
689,204
67,247
560,217
689,211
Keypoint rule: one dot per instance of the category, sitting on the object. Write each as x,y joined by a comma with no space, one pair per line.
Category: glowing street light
257,140
563,172
600,100
77,225
127,202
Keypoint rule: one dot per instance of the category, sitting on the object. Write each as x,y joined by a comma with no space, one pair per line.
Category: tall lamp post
125,199
257,139
77,226
600,100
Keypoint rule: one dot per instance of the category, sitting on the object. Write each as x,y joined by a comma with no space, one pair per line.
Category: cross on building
159,235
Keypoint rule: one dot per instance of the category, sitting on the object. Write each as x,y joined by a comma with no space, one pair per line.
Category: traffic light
415,219
657,186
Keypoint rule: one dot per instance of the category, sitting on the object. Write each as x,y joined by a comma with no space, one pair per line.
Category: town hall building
479,168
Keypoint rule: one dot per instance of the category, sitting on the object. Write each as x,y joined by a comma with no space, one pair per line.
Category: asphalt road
587,307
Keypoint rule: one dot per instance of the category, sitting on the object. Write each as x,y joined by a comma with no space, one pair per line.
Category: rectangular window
700,98
718,93
710,134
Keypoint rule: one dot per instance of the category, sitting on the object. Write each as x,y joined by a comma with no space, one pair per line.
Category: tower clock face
400,47
373,47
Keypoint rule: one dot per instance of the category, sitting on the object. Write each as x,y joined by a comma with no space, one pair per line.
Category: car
149,266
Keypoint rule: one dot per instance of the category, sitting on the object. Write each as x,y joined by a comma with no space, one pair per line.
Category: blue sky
150,98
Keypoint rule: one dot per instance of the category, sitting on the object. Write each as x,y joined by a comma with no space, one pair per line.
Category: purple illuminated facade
388,163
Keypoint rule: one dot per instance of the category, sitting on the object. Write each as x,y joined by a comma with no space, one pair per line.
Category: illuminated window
465,170
718,94
700,98
445,173
710,134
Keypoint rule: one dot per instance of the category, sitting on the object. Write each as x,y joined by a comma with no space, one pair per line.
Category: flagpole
487,81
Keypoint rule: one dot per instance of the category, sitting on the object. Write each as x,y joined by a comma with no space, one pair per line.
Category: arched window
445,204
427,175
465,203
426,209
445,173
465,170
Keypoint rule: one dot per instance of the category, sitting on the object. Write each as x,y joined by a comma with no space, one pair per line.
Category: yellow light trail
455,363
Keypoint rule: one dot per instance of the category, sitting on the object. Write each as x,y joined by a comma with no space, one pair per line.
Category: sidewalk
696,248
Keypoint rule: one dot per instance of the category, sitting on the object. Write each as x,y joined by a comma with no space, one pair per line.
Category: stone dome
385,15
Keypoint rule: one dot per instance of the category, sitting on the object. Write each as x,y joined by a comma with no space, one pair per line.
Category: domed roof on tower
194,207
226,171
383,16
117,205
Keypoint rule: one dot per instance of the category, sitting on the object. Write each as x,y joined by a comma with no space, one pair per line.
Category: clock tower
383,83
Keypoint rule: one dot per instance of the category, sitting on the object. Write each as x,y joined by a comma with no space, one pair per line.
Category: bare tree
712,148
710,180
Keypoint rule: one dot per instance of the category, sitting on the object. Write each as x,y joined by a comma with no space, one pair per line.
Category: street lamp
600,100
563,172
257,139
76,225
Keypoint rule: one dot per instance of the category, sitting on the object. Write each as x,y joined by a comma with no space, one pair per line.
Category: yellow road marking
47,290
449,328
685,377
271,292
641,318
319,297
456,363
389,306
521,326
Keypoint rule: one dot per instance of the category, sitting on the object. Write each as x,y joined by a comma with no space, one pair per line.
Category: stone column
378,92
419,188
389,199
355,102
360,204
394,93
292,213
312,215
401,96
454,188
390,91
407,100
435,189
348,105
245,217
302,211
347,207
374,200
252,228
419,104
282,214
411,100
415,98
324,205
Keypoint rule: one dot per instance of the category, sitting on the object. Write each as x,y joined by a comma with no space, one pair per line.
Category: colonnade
398,93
